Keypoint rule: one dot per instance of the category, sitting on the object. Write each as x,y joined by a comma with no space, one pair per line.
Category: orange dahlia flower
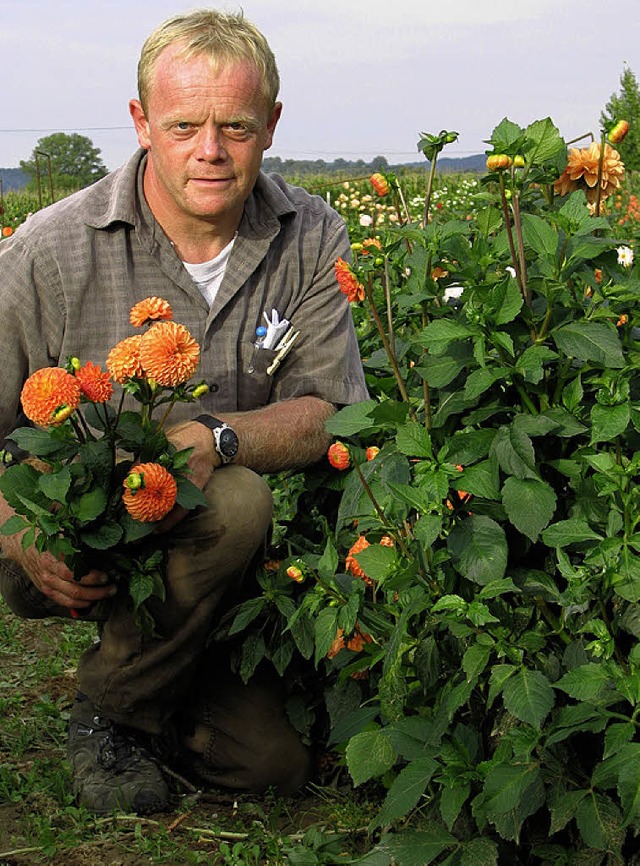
372,452
150,492
150,310
46,393
380,184
582,172
123,361
352,564
94,383
355,643
7,231
348,282
339,456
169,354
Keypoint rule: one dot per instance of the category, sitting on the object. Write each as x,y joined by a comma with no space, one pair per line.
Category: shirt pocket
254,384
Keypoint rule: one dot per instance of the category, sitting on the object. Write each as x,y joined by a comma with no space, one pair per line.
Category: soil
199,820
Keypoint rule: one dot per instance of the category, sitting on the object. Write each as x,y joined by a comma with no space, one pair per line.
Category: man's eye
236,130
183,125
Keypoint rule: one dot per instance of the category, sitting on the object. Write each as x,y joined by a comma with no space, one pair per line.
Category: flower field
452,596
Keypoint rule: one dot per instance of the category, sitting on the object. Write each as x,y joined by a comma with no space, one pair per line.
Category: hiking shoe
110,768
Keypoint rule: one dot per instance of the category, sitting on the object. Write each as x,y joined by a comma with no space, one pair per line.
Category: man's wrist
225,438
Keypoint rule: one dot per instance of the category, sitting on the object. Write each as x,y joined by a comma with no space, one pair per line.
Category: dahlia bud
339,456
372,451
200,389
357,247
74,364
133,481
518,161
61,414
618,132
380,184
498,162
295,573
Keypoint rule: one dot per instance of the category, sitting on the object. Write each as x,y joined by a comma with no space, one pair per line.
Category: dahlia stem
600,167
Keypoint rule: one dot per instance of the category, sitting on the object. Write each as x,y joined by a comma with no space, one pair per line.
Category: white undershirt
208,275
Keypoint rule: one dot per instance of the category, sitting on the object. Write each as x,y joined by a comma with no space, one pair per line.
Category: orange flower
123,361
352,564
624,318
598,275
339,456
380,184
348,282
46,393
372,452
387,541
295,573
619,131
149,310
94,383
7,231
150,492
582,172
355,643
169,354
370,242
438,272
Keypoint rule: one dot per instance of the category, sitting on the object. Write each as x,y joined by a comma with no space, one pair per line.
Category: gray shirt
70,274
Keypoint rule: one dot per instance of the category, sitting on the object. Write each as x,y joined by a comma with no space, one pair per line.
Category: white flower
365,220
511,271
453,292
625,256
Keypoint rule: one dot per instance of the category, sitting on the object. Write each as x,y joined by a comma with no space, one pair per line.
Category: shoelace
116,751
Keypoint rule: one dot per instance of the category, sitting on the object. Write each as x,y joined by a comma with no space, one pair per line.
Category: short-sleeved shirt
71,272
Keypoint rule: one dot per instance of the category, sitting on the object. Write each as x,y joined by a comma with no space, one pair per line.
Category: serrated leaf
326,628
590,341
629,792
540,236
529,503
563,809
414,440
586,682
479,549
598,819
103,537
515,453
406,790
188,495
475,660
56,485
90,505
409,848
570,531
439,335
529,697
352,419
609,422
377,561
369,754
478,852
247,612
426,529
451,802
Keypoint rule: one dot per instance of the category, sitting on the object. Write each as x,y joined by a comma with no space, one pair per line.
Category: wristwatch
225,437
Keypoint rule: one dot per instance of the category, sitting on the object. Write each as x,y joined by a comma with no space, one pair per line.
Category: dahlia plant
96,480
470,592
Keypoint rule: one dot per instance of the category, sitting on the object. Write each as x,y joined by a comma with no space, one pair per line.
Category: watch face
228,442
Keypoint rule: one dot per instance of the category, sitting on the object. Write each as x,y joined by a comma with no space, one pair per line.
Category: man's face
205,131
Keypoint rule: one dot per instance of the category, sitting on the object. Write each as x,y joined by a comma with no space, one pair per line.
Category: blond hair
221,37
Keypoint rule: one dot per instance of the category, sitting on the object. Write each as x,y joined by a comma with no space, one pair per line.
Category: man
190,218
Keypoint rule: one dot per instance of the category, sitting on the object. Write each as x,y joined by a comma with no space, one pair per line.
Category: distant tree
379,163
75,162
626,106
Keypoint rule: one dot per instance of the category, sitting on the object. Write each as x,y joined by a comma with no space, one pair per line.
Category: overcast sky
359,77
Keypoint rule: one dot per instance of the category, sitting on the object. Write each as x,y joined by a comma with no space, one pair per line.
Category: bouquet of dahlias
98,479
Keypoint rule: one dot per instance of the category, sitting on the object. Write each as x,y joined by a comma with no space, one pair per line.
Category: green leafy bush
482,663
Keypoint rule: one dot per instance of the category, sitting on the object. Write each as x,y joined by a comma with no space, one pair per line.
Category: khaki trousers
238,734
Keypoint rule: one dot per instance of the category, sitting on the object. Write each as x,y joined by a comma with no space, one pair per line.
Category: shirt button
213,388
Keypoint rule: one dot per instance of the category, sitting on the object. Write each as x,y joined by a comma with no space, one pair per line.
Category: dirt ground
200,820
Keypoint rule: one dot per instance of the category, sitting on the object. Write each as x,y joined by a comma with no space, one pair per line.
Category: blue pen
261,333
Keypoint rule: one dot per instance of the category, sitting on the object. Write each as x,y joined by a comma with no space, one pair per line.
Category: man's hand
202,462
55,580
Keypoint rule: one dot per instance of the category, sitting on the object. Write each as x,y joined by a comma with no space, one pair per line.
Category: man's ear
272,123
140,123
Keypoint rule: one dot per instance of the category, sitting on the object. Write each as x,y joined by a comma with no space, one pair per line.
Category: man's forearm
285,435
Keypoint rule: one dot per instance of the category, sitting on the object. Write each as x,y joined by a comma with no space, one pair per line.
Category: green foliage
73,159
480,655
625,105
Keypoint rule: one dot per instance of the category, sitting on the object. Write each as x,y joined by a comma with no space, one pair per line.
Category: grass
39,822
